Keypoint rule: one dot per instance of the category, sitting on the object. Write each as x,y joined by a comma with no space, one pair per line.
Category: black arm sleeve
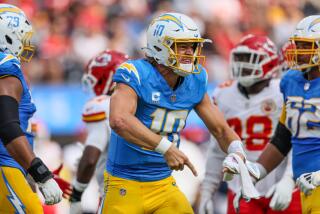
9,119
282,139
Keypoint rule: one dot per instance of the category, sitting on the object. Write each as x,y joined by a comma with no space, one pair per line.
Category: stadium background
69,32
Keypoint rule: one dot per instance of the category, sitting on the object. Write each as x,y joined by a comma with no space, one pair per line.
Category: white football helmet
15,32
304,51
163,35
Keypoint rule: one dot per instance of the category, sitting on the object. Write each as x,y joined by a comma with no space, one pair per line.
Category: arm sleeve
9,119
213,174
98,133
282,139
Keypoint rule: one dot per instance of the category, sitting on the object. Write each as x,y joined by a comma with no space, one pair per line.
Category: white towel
248,188
237,165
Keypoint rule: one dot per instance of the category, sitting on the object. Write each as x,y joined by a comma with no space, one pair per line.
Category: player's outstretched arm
217,125
17,144
123,107
277,149
235,162
279,146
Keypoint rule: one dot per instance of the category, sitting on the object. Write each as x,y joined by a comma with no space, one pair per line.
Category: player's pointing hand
177,159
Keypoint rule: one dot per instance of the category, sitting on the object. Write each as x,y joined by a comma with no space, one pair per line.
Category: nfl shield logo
155,97
173,98
268,106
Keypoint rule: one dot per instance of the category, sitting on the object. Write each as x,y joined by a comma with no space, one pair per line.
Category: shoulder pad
9,65
288,77
96,109
131,69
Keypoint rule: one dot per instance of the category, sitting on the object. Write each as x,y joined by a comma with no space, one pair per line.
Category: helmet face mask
304,51
164,36
15,32
176,59
303,54
99,72
254,59
28,49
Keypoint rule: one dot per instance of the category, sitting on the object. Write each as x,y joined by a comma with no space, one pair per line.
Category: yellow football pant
158,197
16,195
311,204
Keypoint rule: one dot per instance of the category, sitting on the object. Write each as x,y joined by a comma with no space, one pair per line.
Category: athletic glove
308,181
44,178
281,193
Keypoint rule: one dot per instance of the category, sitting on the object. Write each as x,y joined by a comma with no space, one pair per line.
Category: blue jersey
302,103
10,66
159,108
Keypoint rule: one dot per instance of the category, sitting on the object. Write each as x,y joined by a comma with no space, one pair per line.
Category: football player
16,155
299,123
252,106
148,109
98,78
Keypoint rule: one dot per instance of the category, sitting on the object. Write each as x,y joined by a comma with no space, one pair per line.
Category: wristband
77,191
39,171
163,146
236,146
79,186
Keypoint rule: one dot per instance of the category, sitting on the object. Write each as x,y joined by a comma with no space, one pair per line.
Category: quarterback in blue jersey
299,125
16,139
148,109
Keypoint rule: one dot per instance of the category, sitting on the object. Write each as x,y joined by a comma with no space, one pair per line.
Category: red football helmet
100,69
254,59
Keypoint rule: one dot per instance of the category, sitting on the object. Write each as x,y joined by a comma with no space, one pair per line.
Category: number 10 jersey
161,109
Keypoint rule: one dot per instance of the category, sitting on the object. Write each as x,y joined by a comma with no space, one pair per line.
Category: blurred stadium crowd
70,32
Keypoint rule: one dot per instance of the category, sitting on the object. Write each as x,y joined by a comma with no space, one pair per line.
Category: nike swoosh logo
127,79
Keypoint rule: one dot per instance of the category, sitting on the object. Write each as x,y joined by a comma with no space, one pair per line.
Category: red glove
64,185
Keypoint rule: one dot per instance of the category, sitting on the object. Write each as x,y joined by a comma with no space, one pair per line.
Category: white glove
315,178
206,204
281,193
50,191
75,208
308,181
233,166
